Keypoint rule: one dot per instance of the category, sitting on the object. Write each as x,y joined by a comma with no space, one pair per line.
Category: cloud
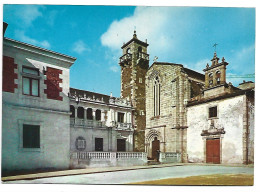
80,47
163,28
185,35
114,68
148,22
50,17
242,60
22,37
197,66
25,14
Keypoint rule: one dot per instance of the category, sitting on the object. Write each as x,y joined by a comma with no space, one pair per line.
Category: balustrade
85,123
107,155
123,125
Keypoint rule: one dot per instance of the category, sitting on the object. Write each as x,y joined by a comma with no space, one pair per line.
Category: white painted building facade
101,131
35,118
221,120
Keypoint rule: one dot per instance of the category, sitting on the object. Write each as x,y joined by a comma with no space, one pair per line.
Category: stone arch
152,134
155,74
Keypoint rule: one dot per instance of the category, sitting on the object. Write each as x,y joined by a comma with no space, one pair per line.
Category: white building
35,118
221,120
101,130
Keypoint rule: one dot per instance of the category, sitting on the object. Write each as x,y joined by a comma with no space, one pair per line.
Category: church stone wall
170,124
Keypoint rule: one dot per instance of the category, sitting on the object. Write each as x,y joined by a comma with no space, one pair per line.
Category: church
181,115
166,112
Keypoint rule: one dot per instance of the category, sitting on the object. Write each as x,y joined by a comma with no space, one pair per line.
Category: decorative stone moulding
213,131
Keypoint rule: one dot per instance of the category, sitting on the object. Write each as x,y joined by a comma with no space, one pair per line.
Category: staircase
152,162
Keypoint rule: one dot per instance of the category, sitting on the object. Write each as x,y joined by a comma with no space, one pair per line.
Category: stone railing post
113,158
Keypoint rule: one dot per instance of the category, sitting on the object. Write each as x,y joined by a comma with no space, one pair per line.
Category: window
98,115
156,96
213,112
89,114
98,144
210,79
30,81
139,53
120,117
80,143
140,80
218,77
121,145
31,136
80,112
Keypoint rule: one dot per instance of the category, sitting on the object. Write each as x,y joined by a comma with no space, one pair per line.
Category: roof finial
135,36
215,45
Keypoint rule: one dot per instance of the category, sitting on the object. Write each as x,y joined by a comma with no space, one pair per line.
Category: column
94,114
76,111
102,115
125,119
85,112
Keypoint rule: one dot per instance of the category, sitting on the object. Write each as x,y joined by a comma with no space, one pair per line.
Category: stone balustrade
108,155
85,123
170,157
123,125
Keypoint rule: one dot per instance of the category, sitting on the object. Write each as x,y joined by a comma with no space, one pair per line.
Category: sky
95,34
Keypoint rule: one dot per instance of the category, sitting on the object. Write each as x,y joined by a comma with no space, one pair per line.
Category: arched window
128,51
218,77
210,79
139,52
98,115
80,112
89,114
72,110
156,96
80,143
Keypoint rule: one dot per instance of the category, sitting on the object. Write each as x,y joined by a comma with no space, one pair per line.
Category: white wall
51,115
230,116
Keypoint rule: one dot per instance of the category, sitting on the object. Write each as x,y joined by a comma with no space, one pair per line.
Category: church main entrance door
155,148
213,151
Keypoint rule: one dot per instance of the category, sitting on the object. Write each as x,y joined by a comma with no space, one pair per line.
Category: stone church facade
168,88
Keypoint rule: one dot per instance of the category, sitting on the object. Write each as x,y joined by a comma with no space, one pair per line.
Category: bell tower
215,75
134,64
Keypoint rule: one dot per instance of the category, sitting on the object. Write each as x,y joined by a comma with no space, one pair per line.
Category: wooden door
213,151
120,144
155,148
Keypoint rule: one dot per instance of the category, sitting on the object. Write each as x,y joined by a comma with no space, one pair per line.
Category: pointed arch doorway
155,148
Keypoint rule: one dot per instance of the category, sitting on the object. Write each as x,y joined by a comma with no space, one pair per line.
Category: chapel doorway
155,148
213,151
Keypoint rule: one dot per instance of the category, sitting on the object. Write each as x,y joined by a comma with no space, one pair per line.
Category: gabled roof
190,72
